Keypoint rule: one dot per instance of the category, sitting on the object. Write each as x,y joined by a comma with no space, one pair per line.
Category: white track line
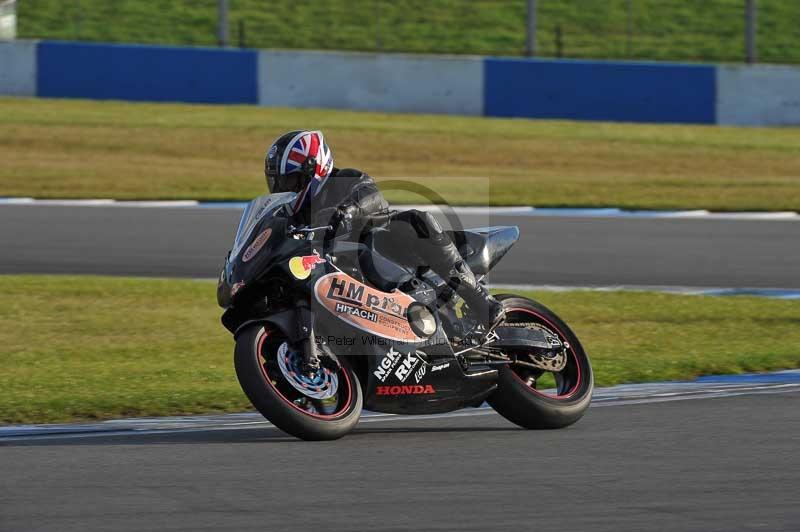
778,293
775,390
100,202
623,395
610,212
775,293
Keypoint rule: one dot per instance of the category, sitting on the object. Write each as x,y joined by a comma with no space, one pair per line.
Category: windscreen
256,211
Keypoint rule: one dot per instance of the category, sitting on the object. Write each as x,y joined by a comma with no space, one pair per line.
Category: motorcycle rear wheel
267,386
517,397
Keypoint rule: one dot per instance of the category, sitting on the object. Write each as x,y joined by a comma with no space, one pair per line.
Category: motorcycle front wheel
325,406
537,399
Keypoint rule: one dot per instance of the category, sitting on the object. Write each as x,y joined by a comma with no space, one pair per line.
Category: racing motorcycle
388,337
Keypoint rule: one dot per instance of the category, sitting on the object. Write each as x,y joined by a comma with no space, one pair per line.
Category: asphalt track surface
712,464
721,464
192,242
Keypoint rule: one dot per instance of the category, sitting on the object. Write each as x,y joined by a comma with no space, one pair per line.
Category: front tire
517,398
265,382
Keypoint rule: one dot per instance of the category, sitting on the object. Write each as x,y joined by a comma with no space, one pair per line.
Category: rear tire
254,358
521,403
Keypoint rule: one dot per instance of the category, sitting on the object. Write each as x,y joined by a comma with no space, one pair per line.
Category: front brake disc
323,385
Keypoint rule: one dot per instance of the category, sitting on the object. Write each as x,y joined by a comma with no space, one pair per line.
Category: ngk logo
386,364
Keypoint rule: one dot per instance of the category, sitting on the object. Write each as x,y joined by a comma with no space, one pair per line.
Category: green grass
74,149
76,348
708,30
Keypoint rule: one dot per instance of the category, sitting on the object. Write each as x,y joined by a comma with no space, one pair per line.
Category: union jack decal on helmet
308,144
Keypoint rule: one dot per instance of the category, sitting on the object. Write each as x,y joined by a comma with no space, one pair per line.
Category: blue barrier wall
504,87
146,73
598,90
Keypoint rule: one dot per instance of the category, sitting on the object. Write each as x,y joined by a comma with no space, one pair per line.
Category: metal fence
8,20
682,30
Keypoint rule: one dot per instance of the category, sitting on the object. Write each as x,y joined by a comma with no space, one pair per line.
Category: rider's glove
344,217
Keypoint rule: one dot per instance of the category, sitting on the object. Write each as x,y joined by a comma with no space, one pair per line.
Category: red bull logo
301,267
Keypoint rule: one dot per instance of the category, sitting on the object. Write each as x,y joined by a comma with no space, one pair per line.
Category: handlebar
307,230
382,217
377,219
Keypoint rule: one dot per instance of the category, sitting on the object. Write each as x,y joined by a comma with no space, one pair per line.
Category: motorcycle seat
483,247
380,272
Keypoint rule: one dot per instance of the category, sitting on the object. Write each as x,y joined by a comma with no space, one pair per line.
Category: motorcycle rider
301,162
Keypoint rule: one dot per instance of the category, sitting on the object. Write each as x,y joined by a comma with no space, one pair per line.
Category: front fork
305,341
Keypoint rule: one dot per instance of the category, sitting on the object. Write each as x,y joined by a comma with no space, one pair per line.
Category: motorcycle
388,337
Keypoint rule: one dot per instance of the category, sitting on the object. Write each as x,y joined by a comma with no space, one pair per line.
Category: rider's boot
487,310
484,308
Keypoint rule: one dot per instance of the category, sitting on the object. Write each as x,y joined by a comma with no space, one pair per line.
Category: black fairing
434,379
483,247
388,391
261,214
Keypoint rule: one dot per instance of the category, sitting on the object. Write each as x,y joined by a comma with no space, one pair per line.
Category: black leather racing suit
415,238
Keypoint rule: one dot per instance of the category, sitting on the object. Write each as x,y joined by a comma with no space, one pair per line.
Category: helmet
295,158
